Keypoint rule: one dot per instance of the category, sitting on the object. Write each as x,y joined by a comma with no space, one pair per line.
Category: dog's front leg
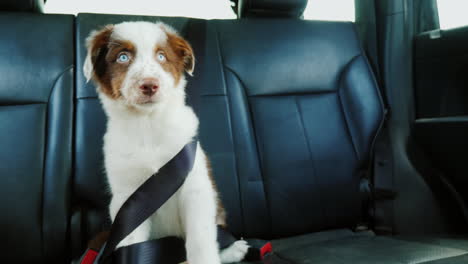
199,212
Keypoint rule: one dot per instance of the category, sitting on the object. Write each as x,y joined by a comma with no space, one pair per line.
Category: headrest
35,6
271,8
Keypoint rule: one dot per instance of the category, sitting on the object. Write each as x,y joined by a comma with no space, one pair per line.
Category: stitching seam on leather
46,141
59,76
343,112
301,118
254,134
239,189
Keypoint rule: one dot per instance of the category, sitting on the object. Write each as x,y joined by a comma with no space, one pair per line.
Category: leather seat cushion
345,246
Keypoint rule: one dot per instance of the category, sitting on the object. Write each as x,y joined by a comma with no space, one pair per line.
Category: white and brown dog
139,68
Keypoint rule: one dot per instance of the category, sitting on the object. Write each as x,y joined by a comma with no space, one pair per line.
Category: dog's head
139,64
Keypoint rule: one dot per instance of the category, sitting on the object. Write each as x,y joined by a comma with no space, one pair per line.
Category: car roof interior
339,142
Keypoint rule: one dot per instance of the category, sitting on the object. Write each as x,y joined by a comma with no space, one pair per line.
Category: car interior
339,142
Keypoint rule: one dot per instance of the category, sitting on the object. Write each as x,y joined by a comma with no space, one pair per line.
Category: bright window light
452,13
337,10
207,9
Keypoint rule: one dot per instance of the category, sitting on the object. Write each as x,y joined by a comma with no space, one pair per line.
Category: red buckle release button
89,257
266,249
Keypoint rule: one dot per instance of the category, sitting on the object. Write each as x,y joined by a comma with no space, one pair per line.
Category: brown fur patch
107,71
179,56
116,71
220,210
98,47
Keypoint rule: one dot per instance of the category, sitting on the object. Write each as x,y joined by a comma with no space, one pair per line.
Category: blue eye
161,57
123,58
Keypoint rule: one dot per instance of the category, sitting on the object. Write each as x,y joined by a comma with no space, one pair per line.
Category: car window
215,9
207,9
340,10
452,13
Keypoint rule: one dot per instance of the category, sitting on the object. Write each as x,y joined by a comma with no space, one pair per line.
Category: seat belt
377,186
377,183
383,190
146,200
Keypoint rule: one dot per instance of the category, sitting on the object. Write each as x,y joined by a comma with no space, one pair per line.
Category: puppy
139,70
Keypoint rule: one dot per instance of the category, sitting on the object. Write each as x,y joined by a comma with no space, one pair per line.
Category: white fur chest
137,146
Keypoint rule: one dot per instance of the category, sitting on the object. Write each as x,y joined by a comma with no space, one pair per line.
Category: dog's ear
183,49
97,47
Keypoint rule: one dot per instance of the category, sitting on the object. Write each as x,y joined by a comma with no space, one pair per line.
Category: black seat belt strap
379,191
383,192
146,200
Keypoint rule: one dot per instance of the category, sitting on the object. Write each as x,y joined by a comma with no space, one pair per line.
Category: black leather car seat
303,109
36,117
288,109
302,98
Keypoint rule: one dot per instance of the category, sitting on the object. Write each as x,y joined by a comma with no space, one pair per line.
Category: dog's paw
235,252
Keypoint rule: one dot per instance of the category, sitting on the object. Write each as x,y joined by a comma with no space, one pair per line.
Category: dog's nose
149,86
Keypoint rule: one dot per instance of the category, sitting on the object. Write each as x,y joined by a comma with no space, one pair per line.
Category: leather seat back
299,107
36,113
